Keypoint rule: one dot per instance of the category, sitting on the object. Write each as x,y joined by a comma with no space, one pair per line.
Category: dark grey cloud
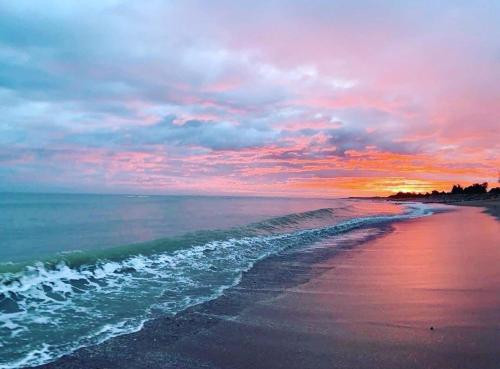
168,132
344,140
212,135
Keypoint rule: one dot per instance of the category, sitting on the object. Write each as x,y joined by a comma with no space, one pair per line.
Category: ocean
76,270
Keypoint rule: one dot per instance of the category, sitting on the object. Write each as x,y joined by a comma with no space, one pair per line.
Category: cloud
268,91
344,140
212,135
172,132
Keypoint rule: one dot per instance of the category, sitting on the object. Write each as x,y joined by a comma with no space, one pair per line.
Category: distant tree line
475,189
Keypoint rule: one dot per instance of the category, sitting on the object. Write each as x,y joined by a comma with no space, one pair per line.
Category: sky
281,98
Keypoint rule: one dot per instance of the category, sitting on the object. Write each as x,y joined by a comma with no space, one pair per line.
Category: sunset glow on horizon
284,98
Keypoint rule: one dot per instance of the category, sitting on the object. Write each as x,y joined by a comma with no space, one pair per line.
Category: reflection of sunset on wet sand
437,271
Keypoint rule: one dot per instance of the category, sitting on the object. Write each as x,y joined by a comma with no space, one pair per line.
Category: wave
75,259
161,277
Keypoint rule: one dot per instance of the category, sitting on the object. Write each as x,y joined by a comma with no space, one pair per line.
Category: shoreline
491,206
276,315
490,202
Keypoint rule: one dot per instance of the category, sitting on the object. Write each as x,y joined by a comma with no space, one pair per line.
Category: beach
424,295
491,206
489,202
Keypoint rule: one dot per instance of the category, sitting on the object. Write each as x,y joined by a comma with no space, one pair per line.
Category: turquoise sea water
78,269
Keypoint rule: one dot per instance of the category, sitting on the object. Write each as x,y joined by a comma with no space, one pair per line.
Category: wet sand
370,306
489,202
491,206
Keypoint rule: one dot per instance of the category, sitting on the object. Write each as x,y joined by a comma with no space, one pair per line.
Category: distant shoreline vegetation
479,190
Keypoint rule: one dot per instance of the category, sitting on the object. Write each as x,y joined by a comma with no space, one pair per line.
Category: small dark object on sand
431,328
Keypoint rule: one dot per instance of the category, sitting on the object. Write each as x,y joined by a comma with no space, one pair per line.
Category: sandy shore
491,206
370,306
